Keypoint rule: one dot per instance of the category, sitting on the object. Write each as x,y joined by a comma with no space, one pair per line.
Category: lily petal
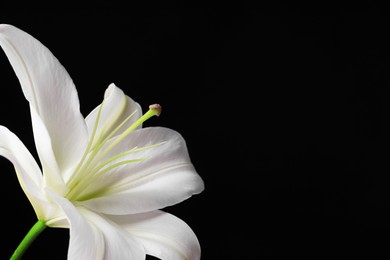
165,178
93,238
50,91
162,234
116,108
27,170
86,242
51,172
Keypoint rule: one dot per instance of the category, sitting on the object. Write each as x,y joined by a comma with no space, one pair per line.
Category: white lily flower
104,177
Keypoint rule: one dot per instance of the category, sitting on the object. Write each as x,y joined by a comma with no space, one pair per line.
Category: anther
157,108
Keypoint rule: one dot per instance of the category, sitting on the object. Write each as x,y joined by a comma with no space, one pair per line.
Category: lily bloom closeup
104,176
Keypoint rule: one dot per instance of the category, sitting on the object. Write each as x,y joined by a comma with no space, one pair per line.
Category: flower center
94,163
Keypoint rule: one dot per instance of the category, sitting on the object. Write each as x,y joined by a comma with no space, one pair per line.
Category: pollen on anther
157,108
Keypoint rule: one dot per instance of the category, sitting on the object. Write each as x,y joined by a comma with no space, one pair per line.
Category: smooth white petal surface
27,170
51,173
50,91
162,234
165,178
86,241
94,238
116,108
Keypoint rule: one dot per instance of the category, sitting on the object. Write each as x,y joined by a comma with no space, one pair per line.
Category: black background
285,110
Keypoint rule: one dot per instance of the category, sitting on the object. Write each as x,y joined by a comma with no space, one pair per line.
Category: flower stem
28,239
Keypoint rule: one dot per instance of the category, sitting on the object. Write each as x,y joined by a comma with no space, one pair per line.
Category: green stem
28,239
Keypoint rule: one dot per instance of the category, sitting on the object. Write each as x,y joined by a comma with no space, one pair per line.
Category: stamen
84,193
112,133
154,110
78,190
113,158
102,141
90,166
87,150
